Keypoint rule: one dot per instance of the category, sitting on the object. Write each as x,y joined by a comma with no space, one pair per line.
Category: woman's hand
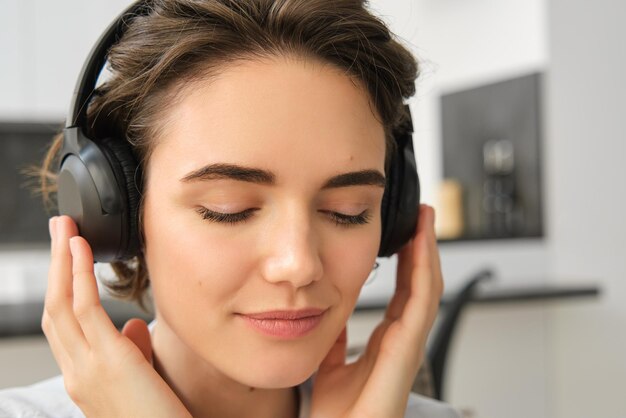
106,373
379,382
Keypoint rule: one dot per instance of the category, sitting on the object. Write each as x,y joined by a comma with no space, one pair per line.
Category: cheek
189,266
352,260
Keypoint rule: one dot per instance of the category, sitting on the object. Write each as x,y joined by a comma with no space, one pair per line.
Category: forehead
281,114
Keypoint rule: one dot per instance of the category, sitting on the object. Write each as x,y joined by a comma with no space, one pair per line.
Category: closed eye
227,218
349,220
340,219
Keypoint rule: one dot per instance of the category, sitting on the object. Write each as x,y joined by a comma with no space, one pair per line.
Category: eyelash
340,219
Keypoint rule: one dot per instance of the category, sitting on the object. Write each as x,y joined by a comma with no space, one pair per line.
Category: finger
403,281
336,357
405,286
373,343
435,263
423,303
93,319
59,294
415,309
137,331
392,374
60,355
404,271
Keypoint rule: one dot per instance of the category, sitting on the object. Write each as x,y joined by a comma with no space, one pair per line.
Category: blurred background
520,140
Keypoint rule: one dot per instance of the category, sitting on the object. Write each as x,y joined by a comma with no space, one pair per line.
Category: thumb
137,331
337,355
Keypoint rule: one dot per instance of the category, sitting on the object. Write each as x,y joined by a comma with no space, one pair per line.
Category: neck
207,392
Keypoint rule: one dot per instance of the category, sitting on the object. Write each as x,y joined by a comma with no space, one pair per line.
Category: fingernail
52,227
57,227
73,244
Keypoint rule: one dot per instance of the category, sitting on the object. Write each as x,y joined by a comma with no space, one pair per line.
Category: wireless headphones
99,181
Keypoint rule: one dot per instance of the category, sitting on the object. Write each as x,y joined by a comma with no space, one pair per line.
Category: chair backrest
441,337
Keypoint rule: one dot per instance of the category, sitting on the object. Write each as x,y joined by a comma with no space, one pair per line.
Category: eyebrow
260,176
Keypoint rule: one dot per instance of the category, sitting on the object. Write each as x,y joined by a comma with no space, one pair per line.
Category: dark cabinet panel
23,218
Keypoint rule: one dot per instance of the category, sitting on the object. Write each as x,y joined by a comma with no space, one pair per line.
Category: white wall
44,44
587,203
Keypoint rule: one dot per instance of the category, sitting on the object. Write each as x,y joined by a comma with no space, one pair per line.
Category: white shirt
48,399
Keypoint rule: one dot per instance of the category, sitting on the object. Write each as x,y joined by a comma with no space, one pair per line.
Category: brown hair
179,41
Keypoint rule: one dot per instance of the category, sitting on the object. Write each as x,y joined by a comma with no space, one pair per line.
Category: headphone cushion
127,172
400,206
390,206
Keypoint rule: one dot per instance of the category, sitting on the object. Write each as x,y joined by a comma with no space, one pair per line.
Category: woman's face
270,145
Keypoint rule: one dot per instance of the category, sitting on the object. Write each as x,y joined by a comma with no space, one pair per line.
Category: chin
280,372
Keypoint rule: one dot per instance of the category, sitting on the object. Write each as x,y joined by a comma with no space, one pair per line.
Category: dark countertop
20,319
517,294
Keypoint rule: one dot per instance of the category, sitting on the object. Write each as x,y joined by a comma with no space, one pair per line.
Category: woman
264,133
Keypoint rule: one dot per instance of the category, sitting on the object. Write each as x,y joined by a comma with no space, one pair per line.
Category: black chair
437,351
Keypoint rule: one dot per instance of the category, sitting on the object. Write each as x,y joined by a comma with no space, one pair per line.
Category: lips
286,324
299,314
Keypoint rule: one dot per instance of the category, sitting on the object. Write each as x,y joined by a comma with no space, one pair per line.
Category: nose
292,251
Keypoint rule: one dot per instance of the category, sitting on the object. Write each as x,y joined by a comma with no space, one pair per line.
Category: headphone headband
95,63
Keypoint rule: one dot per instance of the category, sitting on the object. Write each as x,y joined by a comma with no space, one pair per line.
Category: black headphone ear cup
125,167
400,205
